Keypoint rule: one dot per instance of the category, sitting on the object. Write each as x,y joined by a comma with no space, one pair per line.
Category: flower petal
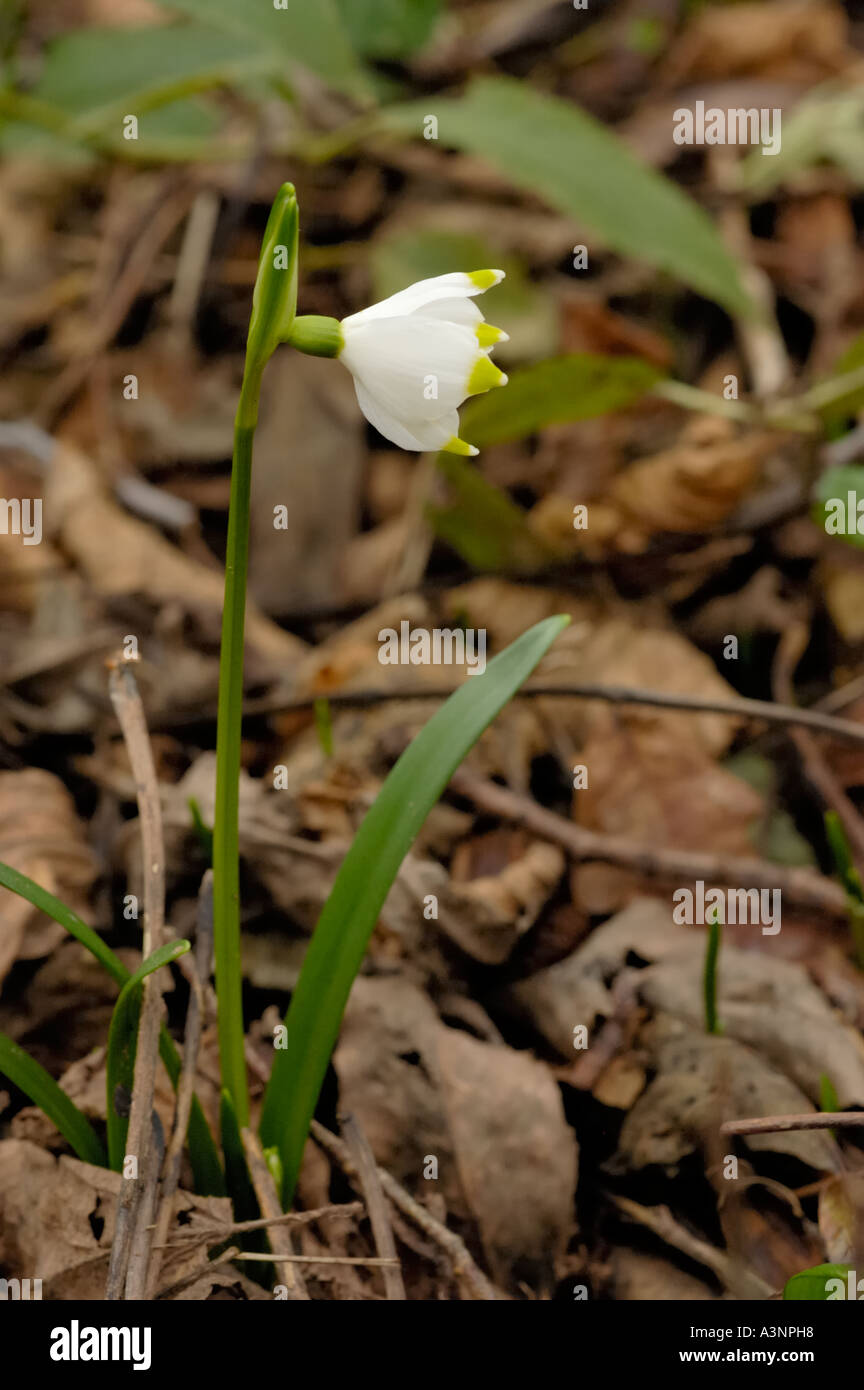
463,311
459,284
417,368
420,436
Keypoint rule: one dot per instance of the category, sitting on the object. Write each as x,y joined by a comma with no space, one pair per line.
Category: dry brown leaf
701,1081
841,1218
796,40
637,1277
57,1221
41,836
772,1006
576,990
692,487
492,1118
644,788
121,555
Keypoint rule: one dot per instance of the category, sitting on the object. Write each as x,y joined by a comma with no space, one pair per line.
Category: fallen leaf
702,1080
41,836
492,1118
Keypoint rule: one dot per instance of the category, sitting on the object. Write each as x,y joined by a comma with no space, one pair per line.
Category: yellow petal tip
488,335
455,445
485,375
485,279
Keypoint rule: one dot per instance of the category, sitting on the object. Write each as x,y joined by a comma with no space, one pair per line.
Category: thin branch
803,887
740,1281
220,1230
130,1252
186,1088
373,1260
846,729
379,1219
464,1268
780,1124
279,1236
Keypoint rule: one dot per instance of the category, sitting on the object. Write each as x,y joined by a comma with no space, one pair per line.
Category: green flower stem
226,849
274,303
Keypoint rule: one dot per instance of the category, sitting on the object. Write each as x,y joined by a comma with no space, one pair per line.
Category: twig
767,710
779,1124
464,1267
615,1033
379,1219
739,1280
219,1231
186,1088
130,1252
375,1261
802,886
279,1236
168,212
791,647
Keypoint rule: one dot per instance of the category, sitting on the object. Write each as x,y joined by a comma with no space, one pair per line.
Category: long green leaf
43,1090
483,524
389,28
309,33
340,939
99,68
203,1154
123,1045
46,902
552,147
560,389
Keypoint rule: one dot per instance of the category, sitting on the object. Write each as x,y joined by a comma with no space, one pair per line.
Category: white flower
416,356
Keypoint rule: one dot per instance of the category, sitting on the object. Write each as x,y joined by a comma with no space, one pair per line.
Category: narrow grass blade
324,727
43,1090
709,978
46,902
368,870
203,1154
850,879
123,1044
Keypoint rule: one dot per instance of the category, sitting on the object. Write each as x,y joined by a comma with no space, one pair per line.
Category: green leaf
843,858
123,1045
203,832
852,401
828,1100
811,1284
553,392
340,939
43,1090
553,148
389,28
202,1151
482,524
833,486
824,128
46,902
105,67
309,33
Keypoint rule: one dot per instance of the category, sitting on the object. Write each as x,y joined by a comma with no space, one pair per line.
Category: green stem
226,864
709,978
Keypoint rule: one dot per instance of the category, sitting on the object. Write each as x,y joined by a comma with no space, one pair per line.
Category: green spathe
274,299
